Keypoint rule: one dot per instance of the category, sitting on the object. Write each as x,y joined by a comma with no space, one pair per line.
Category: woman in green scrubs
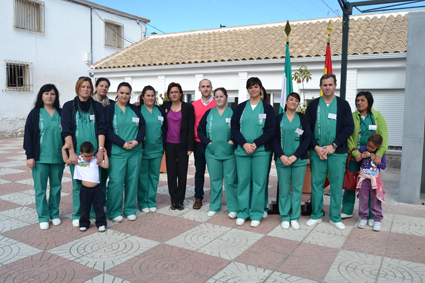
253,127
291,143
82,120
153,152
214,133
126,131
42,144
367,121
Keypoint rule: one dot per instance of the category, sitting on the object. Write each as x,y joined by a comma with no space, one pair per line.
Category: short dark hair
47,87
376,139
253,81
80,82
145,89
99,80
293,94
222,89
369,97
265,95
86,147
327,76
173,84
123,84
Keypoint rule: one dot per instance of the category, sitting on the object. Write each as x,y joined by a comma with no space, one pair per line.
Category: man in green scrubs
332,124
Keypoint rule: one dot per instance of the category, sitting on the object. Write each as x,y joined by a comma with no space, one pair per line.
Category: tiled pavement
187,246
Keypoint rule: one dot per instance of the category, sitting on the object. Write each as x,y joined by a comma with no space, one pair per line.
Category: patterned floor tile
46,267
278,277
291,234
150,263
231,244
406,247
409,225
12,250
9,164
102,251
222,219
269,252
4,182
200,214
201,264
142,223
23,214
366,241
167,230
327,235
5,205
106,278
394,270
266,225
166,209
238,272
19,198
198,236
354,267
8,224
309,261
411,210
7,171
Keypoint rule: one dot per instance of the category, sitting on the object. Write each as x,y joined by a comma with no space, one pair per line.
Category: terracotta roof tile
370,34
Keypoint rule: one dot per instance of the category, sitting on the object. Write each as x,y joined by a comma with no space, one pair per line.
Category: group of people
127,142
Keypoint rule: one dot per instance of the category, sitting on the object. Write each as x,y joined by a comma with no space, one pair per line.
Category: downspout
91,35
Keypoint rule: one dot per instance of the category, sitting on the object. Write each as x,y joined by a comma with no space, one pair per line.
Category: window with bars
29,15
18,76
114,34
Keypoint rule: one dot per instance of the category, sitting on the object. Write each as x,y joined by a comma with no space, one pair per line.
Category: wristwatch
334,146
101,147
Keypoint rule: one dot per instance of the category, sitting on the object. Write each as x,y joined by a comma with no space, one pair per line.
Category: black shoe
174,206
181,207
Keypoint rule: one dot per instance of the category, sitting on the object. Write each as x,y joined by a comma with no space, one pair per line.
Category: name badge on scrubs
262,116
228,120
91,117
332,116
373,127
299,131
135,119
160,118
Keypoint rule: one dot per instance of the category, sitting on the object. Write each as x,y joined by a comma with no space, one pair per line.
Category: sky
169,16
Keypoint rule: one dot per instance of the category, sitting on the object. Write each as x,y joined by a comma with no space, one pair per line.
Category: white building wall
56,56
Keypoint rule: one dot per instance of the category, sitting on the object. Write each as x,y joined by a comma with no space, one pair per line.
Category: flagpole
287,87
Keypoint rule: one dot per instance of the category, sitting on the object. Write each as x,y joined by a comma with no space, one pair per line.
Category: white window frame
17,80
118,37
35,11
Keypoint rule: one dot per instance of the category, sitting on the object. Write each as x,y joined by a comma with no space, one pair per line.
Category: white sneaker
44,225
211,213
56,221
313,222
376,226
338,225
76,222
362,224
146,210
370,222
265,214
82,229
132,217
343,215
118,219
240,221
152,209
255,223
295,225
102,228
285,224
232,215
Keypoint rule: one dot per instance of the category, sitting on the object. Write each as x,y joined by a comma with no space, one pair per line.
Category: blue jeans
200,164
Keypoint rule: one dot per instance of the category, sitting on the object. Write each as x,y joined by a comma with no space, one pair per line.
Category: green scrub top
85,130
50,137
153,133
252,127
289,139
218,131
126,126
364,132
325,128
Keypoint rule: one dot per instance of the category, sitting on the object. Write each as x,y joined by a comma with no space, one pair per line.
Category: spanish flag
328,63
287,80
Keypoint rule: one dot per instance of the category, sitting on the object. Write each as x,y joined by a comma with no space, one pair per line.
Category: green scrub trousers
148,182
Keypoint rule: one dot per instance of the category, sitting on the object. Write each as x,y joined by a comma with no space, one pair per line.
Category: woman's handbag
350,178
